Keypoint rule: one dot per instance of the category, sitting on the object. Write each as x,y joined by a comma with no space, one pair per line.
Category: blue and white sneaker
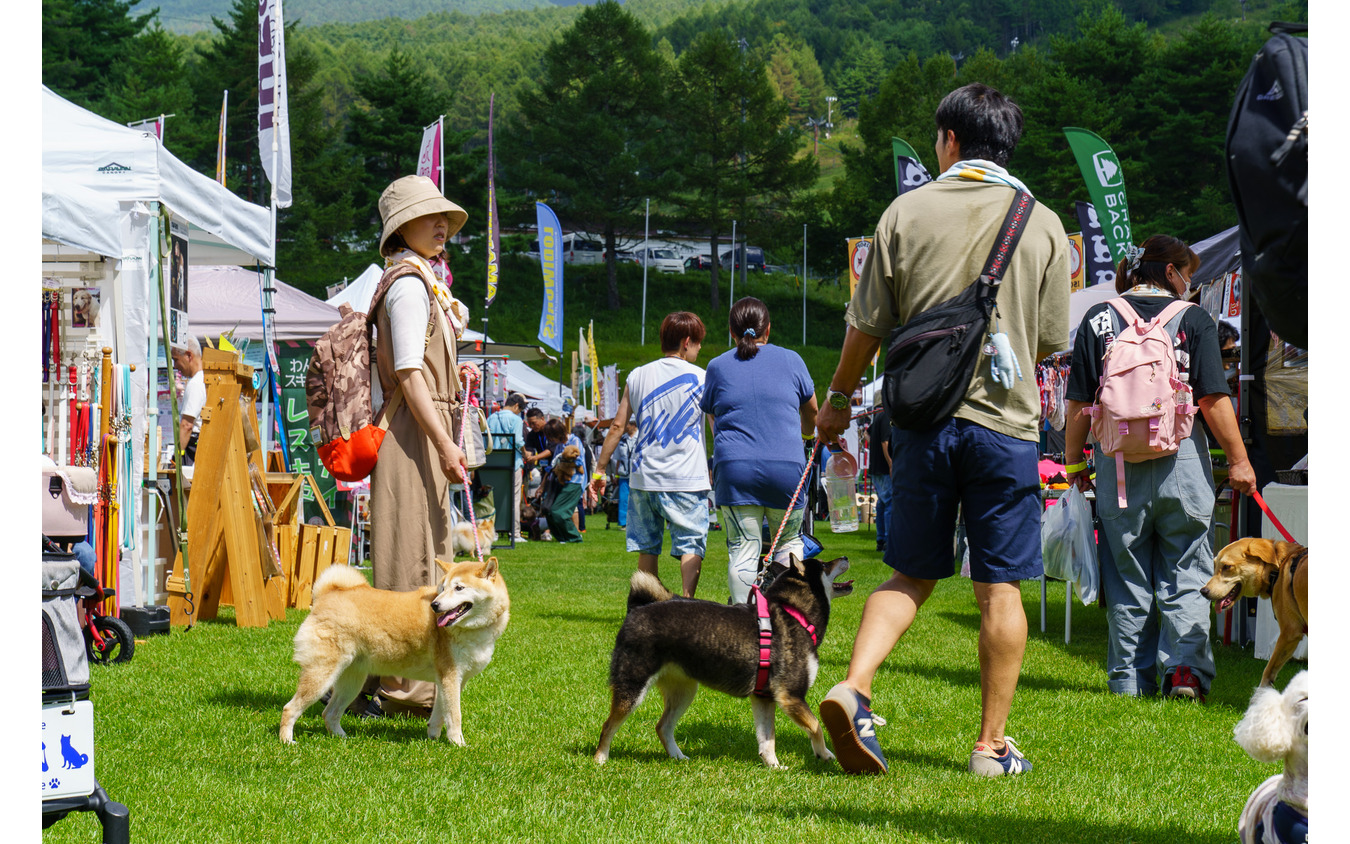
986,763
852,727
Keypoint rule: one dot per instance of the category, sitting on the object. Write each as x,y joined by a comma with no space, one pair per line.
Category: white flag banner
609,387
274,123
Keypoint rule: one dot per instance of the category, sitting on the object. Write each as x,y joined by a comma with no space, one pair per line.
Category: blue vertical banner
550,261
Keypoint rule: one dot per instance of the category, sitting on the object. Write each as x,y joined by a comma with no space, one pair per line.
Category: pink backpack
1144,410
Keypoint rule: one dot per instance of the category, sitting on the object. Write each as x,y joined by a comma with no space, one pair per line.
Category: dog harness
766,636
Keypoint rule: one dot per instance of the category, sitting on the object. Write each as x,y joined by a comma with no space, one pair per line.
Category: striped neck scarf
979,170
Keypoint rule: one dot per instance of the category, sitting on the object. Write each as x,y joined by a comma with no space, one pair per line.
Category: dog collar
1270,581
766,637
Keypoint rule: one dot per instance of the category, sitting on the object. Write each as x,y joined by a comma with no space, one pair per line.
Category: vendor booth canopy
85,154
228,299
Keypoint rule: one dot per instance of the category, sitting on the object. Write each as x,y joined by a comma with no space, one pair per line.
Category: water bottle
841,472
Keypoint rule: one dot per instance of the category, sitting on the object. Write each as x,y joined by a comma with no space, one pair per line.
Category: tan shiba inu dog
443,634
462,535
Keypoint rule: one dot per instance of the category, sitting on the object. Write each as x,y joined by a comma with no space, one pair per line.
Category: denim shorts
649,512
991,476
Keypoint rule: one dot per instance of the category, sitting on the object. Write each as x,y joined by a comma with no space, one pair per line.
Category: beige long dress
409,494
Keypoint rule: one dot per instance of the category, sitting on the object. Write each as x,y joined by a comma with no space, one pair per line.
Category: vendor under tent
104,186
226,299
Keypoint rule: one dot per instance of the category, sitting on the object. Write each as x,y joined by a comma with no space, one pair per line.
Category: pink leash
470,376
768,557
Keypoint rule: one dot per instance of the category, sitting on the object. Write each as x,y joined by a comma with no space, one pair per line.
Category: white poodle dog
1275,728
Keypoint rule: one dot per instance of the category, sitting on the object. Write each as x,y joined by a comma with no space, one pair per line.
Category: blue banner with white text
550,261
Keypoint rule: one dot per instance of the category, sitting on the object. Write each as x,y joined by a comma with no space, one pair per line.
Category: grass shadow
608,620
964,825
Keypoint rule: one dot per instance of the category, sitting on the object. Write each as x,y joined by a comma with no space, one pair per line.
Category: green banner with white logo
909,171
1106,186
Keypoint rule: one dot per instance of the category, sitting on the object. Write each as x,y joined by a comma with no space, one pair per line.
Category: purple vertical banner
1098,266
494,245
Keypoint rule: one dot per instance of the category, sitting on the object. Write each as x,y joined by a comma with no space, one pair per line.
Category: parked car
698,262
584,251
662,260
575,250
624,256
755,263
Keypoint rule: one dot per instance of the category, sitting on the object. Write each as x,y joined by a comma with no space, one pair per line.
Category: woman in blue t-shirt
761,404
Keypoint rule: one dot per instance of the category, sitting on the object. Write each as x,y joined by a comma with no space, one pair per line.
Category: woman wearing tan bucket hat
417,322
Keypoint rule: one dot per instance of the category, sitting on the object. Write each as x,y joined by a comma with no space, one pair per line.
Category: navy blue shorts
994,479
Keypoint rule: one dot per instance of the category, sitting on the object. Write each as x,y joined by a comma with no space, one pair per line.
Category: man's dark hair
1226,333
533,413
987,124
515,400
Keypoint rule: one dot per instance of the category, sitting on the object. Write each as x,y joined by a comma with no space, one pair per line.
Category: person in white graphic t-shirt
668,478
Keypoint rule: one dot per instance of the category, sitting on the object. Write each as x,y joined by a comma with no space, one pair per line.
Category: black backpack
1267,152
932,358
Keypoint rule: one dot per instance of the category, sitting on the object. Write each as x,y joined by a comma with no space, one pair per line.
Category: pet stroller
68,782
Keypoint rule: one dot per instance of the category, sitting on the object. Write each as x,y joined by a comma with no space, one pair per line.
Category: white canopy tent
100,185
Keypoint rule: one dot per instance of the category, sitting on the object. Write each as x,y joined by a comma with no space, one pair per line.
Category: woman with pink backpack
1143,365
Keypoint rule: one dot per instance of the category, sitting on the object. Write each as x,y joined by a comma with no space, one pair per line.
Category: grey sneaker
986,763
852,727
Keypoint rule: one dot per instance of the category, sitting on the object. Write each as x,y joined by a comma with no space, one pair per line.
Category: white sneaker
519,540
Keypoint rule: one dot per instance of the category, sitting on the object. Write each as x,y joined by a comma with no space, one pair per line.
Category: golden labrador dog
1262,568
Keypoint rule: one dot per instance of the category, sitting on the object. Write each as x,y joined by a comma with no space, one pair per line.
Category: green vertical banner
1106,186
294,357
909,171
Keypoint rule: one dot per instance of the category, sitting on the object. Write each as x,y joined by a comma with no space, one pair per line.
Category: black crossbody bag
932,358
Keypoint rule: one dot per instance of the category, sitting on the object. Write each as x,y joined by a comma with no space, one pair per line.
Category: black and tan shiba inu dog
678,643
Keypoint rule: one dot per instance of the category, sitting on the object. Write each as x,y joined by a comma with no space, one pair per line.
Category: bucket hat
411,197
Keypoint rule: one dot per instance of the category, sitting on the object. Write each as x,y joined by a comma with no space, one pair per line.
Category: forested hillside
700,107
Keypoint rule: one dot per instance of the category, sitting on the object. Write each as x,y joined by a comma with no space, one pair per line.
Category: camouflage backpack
338,393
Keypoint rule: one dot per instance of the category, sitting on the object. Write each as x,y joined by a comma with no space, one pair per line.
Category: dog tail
646,589
338,577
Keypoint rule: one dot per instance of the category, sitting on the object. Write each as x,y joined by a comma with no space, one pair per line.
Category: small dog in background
1252,568
1275,729
462,535
566,465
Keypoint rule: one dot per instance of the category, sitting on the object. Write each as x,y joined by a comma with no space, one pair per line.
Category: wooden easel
225,532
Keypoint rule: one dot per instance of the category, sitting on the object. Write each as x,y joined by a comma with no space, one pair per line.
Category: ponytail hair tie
1133,254
749,332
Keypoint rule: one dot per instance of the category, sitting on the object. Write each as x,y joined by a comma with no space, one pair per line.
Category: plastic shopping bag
1069,545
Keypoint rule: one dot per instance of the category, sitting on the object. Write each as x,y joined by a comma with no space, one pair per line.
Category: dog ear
489,569
445,567
798,565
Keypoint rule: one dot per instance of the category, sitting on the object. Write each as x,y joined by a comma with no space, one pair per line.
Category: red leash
1261,502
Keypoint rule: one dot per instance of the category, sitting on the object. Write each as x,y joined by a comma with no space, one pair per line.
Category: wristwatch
838,400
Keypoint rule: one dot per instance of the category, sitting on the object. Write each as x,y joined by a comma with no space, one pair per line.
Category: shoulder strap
1013,224
1127,312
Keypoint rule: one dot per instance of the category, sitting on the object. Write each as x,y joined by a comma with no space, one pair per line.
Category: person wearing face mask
417,322
1156,554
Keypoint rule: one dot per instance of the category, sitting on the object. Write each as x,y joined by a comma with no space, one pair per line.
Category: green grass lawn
187,736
